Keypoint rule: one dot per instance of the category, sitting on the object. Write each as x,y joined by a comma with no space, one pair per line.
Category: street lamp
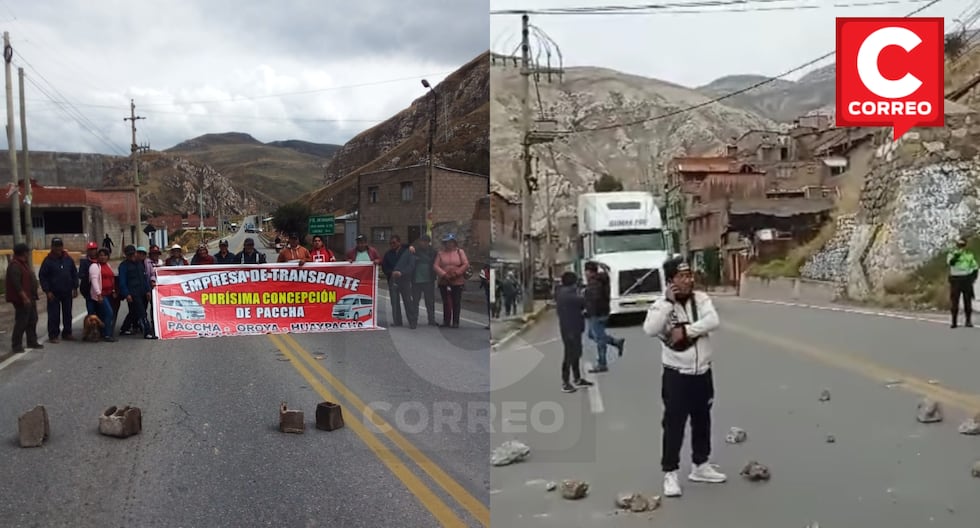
428,186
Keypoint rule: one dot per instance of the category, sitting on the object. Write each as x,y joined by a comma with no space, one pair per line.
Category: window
380,234
407,191
372,194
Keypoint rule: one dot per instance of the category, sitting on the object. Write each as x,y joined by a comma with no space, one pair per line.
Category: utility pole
433,118
28,215
549,245
8,55
134,150
527,203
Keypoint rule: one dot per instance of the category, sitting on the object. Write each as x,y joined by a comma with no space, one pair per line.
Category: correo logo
890,73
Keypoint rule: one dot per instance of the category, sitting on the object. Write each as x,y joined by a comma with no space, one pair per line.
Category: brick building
75,215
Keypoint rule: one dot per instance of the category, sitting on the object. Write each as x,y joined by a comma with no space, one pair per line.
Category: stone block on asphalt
574,489
329,416
33,427
291,420
975,470
121,422
736,436
825,395
637,502
755,471
971,426
831,439
509,452
929,411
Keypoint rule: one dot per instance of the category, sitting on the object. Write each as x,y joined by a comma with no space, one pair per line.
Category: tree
292,218
955,42
608,183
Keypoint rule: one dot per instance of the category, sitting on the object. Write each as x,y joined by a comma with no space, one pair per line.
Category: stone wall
830,263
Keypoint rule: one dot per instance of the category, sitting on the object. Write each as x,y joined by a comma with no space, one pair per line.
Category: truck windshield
633,240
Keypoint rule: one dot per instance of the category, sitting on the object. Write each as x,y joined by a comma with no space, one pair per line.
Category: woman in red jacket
103,282
451,267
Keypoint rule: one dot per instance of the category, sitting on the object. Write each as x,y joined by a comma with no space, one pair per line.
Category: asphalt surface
210,453
771,363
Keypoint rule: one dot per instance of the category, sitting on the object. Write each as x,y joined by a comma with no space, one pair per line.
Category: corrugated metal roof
781,208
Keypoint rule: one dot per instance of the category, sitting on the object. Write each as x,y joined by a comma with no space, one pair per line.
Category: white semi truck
623,232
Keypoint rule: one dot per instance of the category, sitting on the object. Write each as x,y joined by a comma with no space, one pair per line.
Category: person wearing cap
202,257
250,255
129,323
321,253
223,256
682,319
84,285
21,291
363,252
597,297
294,252
59,281
176,257
450,266
424,280
134,286
962,275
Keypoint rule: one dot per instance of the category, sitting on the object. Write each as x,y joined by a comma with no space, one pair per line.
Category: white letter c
867,63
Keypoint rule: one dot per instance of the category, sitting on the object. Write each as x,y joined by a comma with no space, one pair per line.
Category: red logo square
890,73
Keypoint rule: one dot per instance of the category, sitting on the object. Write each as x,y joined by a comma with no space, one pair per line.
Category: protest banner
234,300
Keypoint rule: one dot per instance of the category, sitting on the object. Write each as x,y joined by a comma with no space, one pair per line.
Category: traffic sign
322,225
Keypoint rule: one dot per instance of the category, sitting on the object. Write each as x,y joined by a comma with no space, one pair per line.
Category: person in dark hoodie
59,281
395,290
570,306
402,277
597,310
134,286
682,320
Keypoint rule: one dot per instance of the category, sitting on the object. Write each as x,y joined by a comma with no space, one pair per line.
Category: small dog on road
92,331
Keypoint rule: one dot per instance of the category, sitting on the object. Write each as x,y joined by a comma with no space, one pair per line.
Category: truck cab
623,232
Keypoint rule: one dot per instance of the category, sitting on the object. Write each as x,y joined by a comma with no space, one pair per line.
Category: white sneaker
707,473
672,486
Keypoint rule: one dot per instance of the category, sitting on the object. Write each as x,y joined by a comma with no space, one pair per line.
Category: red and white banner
233,300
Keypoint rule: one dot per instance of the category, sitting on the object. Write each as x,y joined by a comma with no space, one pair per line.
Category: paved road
772,362
413,452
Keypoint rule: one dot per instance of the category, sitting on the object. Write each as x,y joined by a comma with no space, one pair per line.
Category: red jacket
373,253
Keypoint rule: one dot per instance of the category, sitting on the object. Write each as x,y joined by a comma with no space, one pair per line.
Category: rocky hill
589,97
403,139
780,100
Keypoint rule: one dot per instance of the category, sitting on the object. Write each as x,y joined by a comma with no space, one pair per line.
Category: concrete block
33,427
121,422
329,416
291,421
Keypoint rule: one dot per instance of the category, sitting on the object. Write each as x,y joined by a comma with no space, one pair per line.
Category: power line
721,6
252,117
728,95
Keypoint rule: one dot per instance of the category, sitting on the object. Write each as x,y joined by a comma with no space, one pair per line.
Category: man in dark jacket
59,281
223,256
597,310
134,286
571,323
400,288
424,282
22,293
388,264
249,255
84,284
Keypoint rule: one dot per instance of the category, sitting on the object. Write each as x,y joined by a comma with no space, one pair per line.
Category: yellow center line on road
473,505
869,369
439,509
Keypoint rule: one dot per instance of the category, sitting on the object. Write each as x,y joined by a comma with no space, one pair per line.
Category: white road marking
461,318
843,309
42,339
534,345
595,397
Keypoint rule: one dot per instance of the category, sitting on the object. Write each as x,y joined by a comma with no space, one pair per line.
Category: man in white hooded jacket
682,320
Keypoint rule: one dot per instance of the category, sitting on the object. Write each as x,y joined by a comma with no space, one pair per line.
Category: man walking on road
59,281
962,276
571,324
597,309
21,291
682,319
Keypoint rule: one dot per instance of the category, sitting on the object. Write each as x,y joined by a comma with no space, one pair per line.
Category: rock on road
210,453
771,364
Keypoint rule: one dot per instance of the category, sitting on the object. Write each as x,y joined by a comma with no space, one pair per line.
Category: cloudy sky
315,70
697,47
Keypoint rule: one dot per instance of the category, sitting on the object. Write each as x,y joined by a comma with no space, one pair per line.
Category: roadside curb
529,321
